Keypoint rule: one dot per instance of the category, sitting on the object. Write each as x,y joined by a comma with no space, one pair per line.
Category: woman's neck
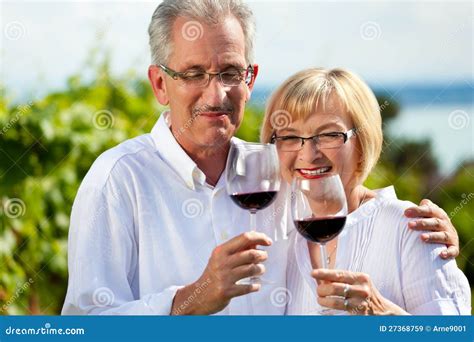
357,196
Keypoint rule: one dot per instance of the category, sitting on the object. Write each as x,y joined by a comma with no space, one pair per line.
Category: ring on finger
346,304
346,291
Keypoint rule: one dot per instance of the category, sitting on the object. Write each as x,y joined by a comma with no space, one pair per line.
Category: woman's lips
316,172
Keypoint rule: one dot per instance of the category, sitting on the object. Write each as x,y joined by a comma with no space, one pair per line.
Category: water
449,127
441,113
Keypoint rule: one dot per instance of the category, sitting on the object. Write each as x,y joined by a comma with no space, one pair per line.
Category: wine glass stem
253,220
324,255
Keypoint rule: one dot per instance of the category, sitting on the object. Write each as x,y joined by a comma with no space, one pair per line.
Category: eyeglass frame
175,75
347,135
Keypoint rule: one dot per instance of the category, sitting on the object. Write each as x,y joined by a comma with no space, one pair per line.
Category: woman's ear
156,77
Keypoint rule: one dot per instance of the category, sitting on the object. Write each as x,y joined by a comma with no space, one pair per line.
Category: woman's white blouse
376,240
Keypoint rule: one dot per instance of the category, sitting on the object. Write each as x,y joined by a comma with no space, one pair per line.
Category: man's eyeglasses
292,143
198,79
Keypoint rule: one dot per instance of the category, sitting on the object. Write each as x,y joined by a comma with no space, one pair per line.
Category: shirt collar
368,208
174,155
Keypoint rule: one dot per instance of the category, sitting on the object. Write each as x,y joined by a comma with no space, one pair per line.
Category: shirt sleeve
430,284
103,258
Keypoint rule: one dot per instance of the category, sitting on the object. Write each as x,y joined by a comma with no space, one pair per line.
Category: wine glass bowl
319,210
253,181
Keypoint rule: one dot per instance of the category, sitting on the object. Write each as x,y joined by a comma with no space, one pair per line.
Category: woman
377,265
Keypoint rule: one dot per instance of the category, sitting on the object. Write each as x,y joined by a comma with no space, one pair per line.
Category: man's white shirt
144,224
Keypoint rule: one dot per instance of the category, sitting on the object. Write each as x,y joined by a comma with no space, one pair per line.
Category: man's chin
217,137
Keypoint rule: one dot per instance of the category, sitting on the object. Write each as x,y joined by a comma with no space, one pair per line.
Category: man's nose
215,92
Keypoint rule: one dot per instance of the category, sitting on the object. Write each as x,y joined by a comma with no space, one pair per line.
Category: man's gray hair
206,11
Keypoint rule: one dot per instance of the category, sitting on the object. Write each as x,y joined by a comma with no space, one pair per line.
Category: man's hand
236,259
437,221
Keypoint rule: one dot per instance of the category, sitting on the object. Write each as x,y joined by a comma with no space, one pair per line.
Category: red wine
321,229
254,200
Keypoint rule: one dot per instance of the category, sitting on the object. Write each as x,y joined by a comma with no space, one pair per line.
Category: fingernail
256,287
409,212
412,224
425,237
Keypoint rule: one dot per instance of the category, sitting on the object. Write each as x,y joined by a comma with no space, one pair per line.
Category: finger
246,271
438,237
339,276
240,289
426,201
450,253
249,256
430,224
246,240
353,304
337,289
430,210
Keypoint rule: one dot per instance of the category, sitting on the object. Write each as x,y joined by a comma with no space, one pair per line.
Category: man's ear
252,80
156,77
254,76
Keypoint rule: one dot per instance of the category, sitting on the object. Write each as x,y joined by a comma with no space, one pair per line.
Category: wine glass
253,181
319,210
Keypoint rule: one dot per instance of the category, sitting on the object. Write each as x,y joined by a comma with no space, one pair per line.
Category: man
152,228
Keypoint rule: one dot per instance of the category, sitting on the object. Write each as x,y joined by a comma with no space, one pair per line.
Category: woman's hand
353,292
436,220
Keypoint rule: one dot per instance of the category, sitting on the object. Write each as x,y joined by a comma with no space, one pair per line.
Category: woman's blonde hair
312,89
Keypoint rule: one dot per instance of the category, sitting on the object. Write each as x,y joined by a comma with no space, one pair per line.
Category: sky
385,42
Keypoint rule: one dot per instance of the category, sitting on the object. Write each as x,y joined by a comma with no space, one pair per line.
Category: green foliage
46,148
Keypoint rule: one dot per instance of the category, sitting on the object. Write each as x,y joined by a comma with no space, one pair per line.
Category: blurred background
73,84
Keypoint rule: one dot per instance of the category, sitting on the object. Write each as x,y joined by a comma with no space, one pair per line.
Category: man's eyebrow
194,67
232,65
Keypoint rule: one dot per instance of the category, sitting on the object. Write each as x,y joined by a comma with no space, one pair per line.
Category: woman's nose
310,151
